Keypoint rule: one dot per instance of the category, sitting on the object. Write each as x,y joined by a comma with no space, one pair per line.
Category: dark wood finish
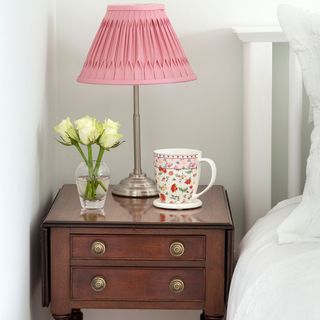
215,273
60,273
203,316
121,211
106,304
137,247
229,261
138,284
76,314
137,264
45,266
229,254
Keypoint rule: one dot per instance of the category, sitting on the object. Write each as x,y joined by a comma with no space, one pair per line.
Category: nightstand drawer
138,284
138,247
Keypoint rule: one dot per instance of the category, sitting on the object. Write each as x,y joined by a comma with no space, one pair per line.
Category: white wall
26,33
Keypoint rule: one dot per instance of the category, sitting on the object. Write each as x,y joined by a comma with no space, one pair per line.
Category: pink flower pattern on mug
177,173
175,185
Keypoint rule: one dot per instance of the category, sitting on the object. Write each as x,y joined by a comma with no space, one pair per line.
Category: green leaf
117,144
64,143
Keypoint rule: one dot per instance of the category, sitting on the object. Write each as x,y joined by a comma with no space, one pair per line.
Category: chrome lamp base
136,186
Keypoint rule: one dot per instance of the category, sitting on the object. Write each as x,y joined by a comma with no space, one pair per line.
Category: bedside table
137,256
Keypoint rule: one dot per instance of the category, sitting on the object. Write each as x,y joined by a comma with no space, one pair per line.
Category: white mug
177,173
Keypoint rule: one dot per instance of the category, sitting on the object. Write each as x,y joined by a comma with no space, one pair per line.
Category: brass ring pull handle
176,249
176,285
98,247
98,283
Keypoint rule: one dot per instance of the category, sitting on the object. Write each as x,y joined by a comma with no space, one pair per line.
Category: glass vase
92,184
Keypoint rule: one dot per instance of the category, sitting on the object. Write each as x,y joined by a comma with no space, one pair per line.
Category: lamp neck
136,132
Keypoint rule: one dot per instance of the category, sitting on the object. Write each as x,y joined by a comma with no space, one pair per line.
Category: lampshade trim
136,7
137,82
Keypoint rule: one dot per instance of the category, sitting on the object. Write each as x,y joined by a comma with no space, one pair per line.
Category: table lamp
136,45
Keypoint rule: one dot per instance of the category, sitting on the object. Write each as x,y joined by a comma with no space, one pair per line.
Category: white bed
272,281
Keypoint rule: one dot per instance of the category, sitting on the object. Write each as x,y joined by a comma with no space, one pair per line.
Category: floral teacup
177,173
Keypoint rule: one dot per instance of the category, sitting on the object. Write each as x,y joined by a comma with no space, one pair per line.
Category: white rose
111,126
110,135
66,131
89,129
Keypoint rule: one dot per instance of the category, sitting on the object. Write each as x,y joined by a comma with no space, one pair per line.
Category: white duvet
272,281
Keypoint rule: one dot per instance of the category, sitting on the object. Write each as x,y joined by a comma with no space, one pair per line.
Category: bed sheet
272,281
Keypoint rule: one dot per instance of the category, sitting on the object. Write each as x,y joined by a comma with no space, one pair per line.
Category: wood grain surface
139,211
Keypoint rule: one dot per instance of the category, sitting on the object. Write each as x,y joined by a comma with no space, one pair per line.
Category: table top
122,212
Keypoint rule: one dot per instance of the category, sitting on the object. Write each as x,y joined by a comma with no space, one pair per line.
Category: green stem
98,162
89,146
90,160
81,153
86,193
91,192
102,185
93,181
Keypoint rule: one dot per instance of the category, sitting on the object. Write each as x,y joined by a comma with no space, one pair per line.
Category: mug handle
213,176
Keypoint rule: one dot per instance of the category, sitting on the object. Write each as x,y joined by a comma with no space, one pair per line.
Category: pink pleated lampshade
134,45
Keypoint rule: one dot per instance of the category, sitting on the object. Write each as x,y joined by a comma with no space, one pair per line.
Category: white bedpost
257,119
257,124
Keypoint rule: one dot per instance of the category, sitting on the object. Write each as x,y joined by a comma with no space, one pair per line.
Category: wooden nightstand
137,256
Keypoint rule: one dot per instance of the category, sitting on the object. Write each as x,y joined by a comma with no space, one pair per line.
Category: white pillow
302,28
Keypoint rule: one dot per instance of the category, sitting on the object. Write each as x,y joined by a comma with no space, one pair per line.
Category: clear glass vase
92,184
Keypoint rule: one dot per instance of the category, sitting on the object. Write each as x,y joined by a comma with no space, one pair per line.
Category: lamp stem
136,132
137,185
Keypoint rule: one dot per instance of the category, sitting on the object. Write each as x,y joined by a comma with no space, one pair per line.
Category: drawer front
138,247
138,284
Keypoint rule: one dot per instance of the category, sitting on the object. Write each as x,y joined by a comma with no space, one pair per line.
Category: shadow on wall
45,181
